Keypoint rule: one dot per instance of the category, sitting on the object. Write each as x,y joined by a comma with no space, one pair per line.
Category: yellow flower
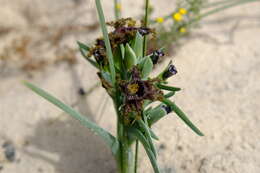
159,19
118,6
182,30
182,11
177,17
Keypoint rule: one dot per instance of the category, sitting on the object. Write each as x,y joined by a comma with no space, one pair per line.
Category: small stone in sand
9,151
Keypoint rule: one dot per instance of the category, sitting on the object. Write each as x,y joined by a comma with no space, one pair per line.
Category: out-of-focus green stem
213,4
136,155
107,42
214,10
117,9
145,25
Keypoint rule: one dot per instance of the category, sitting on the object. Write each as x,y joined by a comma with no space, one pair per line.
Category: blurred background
218,71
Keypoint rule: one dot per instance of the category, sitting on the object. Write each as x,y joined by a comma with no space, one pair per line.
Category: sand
218,72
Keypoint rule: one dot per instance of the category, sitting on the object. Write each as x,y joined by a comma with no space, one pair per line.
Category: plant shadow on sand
77,148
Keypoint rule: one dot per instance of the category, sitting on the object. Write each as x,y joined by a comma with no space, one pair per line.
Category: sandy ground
218,71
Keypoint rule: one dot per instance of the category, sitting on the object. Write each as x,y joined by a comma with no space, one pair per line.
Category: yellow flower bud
182,11
118,6
182,30
159,20
177,17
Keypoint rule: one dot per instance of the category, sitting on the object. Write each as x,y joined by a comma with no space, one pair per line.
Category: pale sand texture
218,71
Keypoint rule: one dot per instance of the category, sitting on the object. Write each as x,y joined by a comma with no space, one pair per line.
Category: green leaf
169,94
106,76
107,42
138,45
83,46
147,67
153,135
130,57
122,48
146,130
109,139
169,88
83,50
156,114
181,114
118,58
142,139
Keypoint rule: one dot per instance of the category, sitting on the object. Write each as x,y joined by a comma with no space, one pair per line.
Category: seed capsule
144,31
169,72
168,109
156,55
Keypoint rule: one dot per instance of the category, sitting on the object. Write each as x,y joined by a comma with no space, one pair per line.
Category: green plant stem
213,4
216,10
124,161
145,25
116,10
136,156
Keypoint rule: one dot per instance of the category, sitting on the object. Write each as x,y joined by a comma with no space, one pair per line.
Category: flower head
124,31
182,11
136,91
159,19
156,55
170,71
183,30
177,16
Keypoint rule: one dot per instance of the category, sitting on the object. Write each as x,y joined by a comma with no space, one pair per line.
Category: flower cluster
134,87
124,31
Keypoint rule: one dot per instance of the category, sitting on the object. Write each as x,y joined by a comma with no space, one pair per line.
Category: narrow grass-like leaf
109,139
169,94
146,146
83,46
169,88
83,50
181,114
107,42
138,45
146,130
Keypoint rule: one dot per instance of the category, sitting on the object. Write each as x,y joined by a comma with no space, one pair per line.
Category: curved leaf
109,139
181,114
146,130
